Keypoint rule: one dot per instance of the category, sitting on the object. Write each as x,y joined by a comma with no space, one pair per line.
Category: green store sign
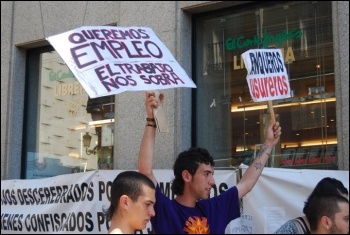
268,40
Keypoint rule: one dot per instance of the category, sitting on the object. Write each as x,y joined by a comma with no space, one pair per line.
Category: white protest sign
240,225
267,75
109,60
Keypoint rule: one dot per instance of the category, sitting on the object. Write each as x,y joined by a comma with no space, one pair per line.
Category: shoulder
302,225
228,198
162,194
232,190
229,194
287,228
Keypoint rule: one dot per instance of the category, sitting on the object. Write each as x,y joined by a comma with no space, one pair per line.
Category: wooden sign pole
269,103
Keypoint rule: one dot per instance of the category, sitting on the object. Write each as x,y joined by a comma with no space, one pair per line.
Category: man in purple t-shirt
192,210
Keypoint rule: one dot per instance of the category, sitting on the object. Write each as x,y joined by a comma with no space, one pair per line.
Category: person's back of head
128,183
189,160
322,214
326,186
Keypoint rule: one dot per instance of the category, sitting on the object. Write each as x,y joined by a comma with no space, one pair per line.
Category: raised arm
145,163
251,176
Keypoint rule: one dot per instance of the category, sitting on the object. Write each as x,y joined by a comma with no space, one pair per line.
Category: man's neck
320,231
120,226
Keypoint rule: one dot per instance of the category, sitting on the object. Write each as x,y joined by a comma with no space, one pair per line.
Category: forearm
252,174
145,162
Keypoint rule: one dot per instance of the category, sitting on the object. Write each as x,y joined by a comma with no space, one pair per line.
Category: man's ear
123,201
186,176
326,222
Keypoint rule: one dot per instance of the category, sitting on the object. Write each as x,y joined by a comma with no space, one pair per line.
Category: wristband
152,125
150,119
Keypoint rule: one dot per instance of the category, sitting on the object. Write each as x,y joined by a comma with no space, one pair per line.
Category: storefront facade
50,126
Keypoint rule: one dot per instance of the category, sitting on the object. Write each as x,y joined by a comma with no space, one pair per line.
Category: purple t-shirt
208,216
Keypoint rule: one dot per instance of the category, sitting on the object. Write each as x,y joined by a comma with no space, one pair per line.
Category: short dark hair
189,160
326,185
323,205
127,183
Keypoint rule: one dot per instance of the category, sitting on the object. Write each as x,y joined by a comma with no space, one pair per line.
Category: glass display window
227,121
66,131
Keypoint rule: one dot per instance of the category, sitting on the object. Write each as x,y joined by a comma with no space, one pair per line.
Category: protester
328,214
300,225
192,210
132,201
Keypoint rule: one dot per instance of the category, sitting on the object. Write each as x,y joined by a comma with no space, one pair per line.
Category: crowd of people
136,197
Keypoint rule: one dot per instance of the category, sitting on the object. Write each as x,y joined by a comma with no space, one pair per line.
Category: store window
66,131
229,123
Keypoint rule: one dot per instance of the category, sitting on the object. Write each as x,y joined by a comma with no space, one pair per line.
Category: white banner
279,195
109,60
73,203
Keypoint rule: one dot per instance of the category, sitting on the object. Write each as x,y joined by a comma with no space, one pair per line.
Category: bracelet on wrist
150,119
152,125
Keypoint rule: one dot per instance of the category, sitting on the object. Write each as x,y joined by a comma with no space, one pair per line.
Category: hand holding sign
159,114
267,75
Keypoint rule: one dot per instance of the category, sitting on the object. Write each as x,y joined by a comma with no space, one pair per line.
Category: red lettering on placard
268,86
